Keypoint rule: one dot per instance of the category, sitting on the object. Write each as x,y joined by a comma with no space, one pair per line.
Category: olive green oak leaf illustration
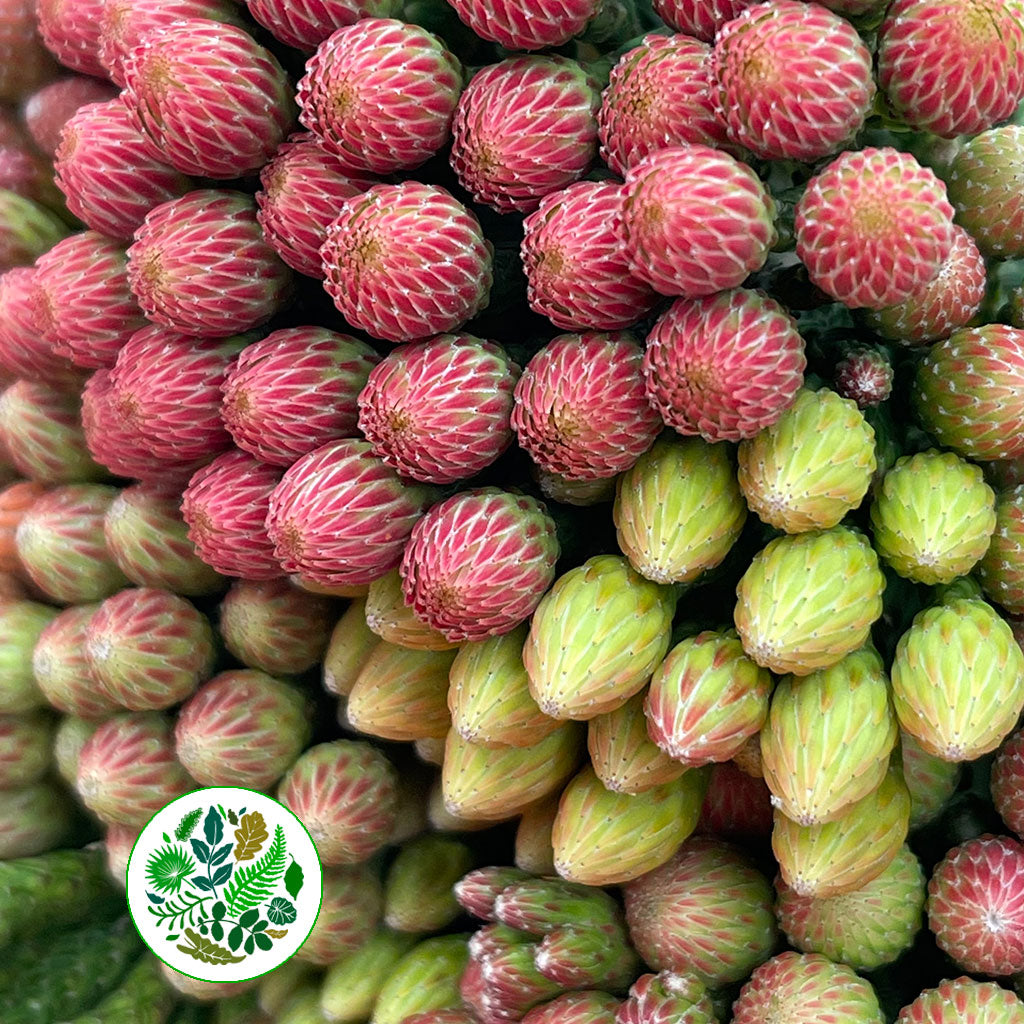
208,951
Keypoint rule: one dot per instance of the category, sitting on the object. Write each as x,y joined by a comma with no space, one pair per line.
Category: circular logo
224,884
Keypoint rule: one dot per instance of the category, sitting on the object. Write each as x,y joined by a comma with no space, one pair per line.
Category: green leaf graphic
216,931
251,836
207,951
213,827
293,879
168,867
235,937
248,919
221,854
221,875
253,884
188,824
250,944
201,850
263,941
281,911
232,817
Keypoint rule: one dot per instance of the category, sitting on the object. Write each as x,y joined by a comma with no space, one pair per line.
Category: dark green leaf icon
221,875
293,879
281,911
250,944
201,850
235,938
167,838
221,854
216,931
171,938
249,918
259,926
167,868
263,941
213,827
201,883
232,817
153,898
218,910
188,824
203,929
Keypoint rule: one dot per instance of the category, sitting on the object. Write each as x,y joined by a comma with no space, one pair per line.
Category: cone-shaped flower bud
606,838
808,600
806,988
810,467
494,784
350,912
666,997
242,728
579,673
827,739
706,699
351,643
1001,568
706,912
402,694
71,735
624,756
574,957
844,855
489,696
865,928
737,806
477,891
345,794
964,1001
933,517
575,1008
931,780
958,680
678,510
351,986
42,661
539,906
477,564
418,891
393,620
426,978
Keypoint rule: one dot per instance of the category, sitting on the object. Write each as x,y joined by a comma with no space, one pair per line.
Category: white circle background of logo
156,919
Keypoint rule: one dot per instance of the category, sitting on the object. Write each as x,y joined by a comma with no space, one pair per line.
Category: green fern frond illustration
188,824
253,884
167,868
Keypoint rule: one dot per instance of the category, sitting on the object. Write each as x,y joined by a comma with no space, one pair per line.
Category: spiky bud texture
842,856
605,838
27,229
47,110
958,680
580,408
622,753
22,623
477,891
351,985
524,128
947,303
389,617
225,506
27,332
526,25
699,18
125,24
26,62
242,728
974,905
575,1008
127,770
199,265
380,94
301,189
425,979
781,627
707,912
628,633
678,510
706,699
340,515
794,80
148,539
803,988
737,806
419,234
438,411
983,189
418,890
15,501
350,912
578,275
196,113
94,313
864,929
345,793
68,740
933,517
827,739
489,696
351,643
959,80
148,649
667,996
401,694
659,95
968,392
62,671
889,218
42,434
811,466
930,779
1007,782
305,24
964,1000
70,30
1001,569
61,545
478,564
725,366
108,174
696,221
864,375
494,784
